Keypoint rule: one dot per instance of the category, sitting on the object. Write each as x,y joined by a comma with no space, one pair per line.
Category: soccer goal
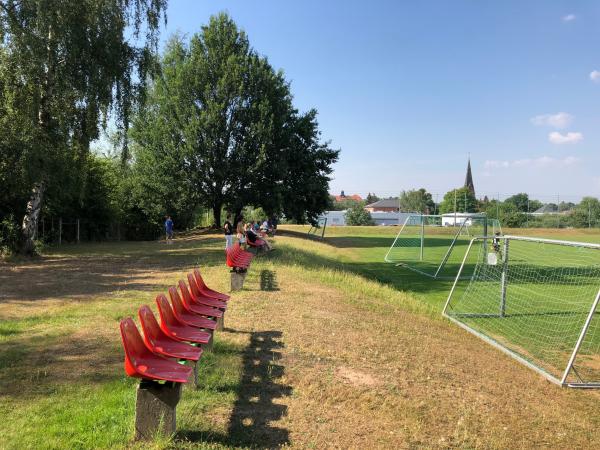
536,300
434,245
318,230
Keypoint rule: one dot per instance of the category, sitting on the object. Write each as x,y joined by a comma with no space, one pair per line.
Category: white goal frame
464,226
562,381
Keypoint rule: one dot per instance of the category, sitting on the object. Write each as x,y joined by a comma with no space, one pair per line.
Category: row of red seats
189,319
237,258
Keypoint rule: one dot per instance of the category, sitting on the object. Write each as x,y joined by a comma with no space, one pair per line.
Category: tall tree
69,66
419,201
221,119
371,198
459,200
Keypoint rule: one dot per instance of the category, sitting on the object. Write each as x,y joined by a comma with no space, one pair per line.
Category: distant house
386,205
343,196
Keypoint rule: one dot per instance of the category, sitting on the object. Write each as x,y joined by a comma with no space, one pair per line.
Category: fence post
504,279
59,230
423,235
78,231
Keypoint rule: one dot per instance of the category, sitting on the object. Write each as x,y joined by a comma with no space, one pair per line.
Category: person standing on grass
169,229
274,222
241,233
228,228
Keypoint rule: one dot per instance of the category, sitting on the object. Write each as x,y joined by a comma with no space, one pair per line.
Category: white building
338,218
457,219
335,218
389,218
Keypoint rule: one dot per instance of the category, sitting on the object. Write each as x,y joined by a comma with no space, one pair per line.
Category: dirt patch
356,377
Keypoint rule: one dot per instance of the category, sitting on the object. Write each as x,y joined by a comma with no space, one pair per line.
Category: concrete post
155,409
237,281
197,373
221,322
208,347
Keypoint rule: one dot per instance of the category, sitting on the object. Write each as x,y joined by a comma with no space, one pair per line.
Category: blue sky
408,89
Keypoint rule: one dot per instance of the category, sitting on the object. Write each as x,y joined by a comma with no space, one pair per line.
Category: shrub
357,215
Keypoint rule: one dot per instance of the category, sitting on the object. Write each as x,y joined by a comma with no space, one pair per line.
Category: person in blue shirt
169,229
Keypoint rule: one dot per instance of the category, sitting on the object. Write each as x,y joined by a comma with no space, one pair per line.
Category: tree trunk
237,217
217,215
30,220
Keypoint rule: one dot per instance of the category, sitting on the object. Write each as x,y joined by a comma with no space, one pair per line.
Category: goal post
537,300
433,245
318,229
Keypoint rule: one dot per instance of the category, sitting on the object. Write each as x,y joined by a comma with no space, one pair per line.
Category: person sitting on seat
241,232
265,226
255,239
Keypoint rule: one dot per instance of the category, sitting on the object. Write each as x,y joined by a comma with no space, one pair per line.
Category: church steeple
469,178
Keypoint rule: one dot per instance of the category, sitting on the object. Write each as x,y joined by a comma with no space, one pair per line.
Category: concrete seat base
155,409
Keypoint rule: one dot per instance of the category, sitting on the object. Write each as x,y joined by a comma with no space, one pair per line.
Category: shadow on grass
254,410
404,279
268,281
95,269
33,366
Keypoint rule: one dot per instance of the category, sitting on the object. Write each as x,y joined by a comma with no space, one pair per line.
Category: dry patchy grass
314,356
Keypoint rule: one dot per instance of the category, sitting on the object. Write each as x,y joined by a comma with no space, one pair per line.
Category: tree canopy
65,66
219,129
460,200
418,200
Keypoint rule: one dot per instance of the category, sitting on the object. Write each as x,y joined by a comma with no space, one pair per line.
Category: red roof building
343,196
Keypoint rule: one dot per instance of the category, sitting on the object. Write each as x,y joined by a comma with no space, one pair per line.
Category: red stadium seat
176,329
142,363
205,290
160,343
238,258
189,318
191,306
197,297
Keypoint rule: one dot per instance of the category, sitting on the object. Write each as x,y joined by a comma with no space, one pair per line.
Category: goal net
434,245
318,230
537,300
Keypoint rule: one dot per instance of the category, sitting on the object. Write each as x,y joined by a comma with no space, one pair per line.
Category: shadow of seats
268,281
253,413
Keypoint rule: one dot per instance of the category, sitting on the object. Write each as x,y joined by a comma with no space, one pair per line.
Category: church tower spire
469,178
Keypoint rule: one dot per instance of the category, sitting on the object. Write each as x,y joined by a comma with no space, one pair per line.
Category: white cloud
569,138
569,18
558,120
595,76
542,161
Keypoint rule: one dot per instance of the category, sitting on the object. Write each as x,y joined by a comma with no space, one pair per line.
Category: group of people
254,232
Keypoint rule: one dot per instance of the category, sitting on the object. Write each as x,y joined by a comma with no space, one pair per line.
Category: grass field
327,346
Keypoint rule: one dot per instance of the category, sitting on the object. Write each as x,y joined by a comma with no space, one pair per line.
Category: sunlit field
324,334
